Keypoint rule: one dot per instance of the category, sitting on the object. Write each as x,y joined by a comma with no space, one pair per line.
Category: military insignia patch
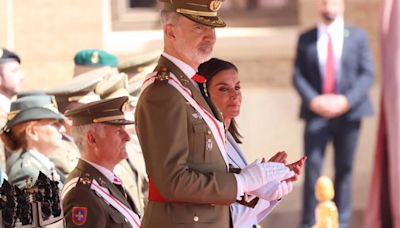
79,215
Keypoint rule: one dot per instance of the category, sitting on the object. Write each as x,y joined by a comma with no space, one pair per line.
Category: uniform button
209,132
196,218
126,220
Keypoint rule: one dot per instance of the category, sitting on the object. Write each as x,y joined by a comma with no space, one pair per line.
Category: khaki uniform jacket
99,212
23,165
179,160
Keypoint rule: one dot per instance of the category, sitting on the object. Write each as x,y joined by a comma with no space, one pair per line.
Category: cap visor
209,21
119,122
34,114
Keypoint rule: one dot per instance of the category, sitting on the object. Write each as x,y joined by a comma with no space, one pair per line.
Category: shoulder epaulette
85,179
162,75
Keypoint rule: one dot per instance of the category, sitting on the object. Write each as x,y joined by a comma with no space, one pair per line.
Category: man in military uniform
10,84
131,170
93,195
92,86
79,90
181,133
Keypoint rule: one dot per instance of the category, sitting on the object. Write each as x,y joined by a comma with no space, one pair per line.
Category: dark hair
209,69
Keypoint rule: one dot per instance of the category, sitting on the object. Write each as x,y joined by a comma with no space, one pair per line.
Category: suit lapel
103,181
347,51
185,81
313,52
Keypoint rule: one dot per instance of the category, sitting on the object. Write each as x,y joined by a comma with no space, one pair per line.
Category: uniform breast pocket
202,144
118,220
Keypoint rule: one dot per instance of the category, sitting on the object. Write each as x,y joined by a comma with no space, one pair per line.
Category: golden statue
326,213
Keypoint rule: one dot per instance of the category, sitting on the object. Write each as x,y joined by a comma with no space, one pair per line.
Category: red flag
384,202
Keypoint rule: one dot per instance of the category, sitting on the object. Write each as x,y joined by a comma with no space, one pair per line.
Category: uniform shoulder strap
83,181
162,75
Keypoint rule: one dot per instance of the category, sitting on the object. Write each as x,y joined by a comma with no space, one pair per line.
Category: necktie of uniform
118,183
201,81
329,71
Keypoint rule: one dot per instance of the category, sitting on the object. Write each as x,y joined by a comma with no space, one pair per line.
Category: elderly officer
90,59
93,195
181,133
33,130
131,170
10,84
79,90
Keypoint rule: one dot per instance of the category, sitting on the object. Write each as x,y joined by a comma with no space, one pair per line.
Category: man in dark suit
93,195
333,73
182,136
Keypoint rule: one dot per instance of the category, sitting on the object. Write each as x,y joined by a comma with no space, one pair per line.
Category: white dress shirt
336,31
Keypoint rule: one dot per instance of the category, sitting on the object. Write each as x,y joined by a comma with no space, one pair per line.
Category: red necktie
329,71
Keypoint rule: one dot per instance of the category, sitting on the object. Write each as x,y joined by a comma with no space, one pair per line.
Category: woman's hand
296,167
279,157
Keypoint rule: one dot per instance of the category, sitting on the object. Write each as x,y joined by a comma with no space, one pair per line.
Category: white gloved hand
258,174
272,191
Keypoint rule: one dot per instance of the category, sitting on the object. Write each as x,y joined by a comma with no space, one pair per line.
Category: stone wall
47,34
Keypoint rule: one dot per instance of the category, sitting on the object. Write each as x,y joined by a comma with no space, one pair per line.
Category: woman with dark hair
224,89
32,132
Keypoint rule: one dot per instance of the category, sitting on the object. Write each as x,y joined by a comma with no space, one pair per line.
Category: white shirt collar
184,67
335,27
106,172
42,158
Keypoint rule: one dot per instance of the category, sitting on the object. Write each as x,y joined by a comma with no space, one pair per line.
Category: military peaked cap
201,11
109,111
33,107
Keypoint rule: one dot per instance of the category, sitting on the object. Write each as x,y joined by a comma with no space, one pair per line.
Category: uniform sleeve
82,209
162,128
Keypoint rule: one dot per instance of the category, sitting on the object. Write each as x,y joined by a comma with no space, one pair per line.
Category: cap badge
215,5
95,57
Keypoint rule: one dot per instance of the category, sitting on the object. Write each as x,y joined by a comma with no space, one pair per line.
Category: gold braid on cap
196,13
108,118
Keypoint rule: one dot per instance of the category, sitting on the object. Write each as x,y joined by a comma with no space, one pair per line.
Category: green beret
201,11
108,111
96,58
34,107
